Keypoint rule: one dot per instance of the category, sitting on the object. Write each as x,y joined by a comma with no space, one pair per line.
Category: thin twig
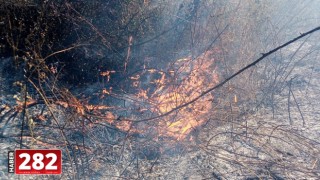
289,94
24,111
63,50
295,100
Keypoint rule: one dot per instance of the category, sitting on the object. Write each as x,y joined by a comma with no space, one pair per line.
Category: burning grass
183,81
167,122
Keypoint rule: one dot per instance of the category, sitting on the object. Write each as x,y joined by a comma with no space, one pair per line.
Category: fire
191,77
185,80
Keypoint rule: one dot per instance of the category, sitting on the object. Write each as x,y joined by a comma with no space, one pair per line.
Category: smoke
133,118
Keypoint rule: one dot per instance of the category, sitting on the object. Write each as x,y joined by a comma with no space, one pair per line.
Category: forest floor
279,141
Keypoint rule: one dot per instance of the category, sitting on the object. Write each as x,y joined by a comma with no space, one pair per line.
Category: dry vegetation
142,89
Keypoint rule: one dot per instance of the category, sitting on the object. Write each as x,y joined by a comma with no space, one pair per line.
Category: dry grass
262,124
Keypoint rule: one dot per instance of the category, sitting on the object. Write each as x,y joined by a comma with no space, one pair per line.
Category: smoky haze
151,89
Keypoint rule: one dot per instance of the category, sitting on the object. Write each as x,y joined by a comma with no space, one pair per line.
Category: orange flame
187,78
